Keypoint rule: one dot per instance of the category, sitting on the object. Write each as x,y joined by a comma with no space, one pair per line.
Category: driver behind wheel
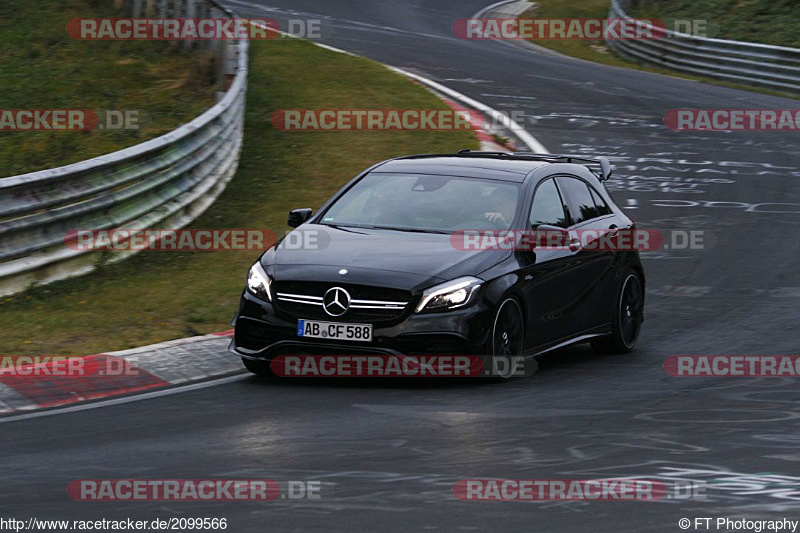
502,203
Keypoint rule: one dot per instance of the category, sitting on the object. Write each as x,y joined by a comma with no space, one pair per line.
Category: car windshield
421,202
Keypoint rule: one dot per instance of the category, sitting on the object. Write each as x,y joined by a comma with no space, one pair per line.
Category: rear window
579,199
599,203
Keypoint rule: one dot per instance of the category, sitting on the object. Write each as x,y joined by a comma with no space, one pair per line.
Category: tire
259,368
507,340
628,318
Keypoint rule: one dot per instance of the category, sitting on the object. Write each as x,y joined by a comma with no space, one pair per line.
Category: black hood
388,258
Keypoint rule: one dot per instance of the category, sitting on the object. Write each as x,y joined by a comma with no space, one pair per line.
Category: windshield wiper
391,228
417,230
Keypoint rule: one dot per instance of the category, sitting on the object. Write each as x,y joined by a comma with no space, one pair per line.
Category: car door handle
574,244
614,230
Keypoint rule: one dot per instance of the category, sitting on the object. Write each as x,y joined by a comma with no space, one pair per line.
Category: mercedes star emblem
336,301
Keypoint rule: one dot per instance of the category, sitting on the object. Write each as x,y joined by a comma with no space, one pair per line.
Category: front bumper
260,334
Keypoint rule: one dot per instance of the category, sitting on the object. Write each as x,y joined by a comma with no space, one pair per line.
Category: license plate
334,330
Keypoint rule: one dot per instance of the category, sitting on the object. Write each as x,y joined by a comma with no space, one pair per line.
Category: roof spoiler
605,169
603,174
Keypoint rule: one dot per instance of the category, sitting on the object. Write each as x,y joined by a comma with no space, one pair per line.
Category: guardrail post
137,8
214,13
177,12
230,62
190,14
218,47
203,10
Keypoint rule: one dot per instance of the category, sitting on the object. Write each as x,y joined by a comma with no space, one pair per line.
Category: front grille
304,299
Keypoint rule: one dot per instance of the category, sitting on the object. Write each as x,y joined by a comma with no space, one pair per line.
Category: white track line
497,116
480,14
127,399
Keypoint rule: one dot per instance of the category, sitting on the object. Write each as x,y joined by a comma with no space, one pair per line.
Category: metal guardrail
774,67
167,181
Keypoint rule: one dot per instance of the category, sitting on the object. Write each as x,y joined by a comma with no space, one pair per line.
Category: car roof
484,166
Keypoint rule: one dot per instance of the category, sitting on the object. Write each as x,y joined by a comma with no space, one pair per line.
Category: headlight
259,283
451,295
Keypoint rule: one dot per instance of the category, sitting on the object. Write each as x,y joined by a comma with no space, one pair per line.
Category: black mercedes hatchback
412,258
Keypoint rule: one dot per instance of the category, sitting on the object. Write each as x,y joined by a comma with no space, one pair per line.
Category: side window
599,203
579,199
548,208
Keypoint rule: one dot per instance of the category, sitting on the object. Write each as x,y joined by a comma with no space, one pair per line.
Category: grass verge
43,68
156,296
596,50
757,21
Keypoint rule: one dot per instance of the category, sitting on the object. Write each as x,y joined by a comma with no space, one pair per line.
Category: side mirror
299,216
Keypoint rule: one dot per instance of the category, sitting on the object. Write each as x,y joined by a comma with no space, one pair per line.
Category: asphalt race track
389,452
